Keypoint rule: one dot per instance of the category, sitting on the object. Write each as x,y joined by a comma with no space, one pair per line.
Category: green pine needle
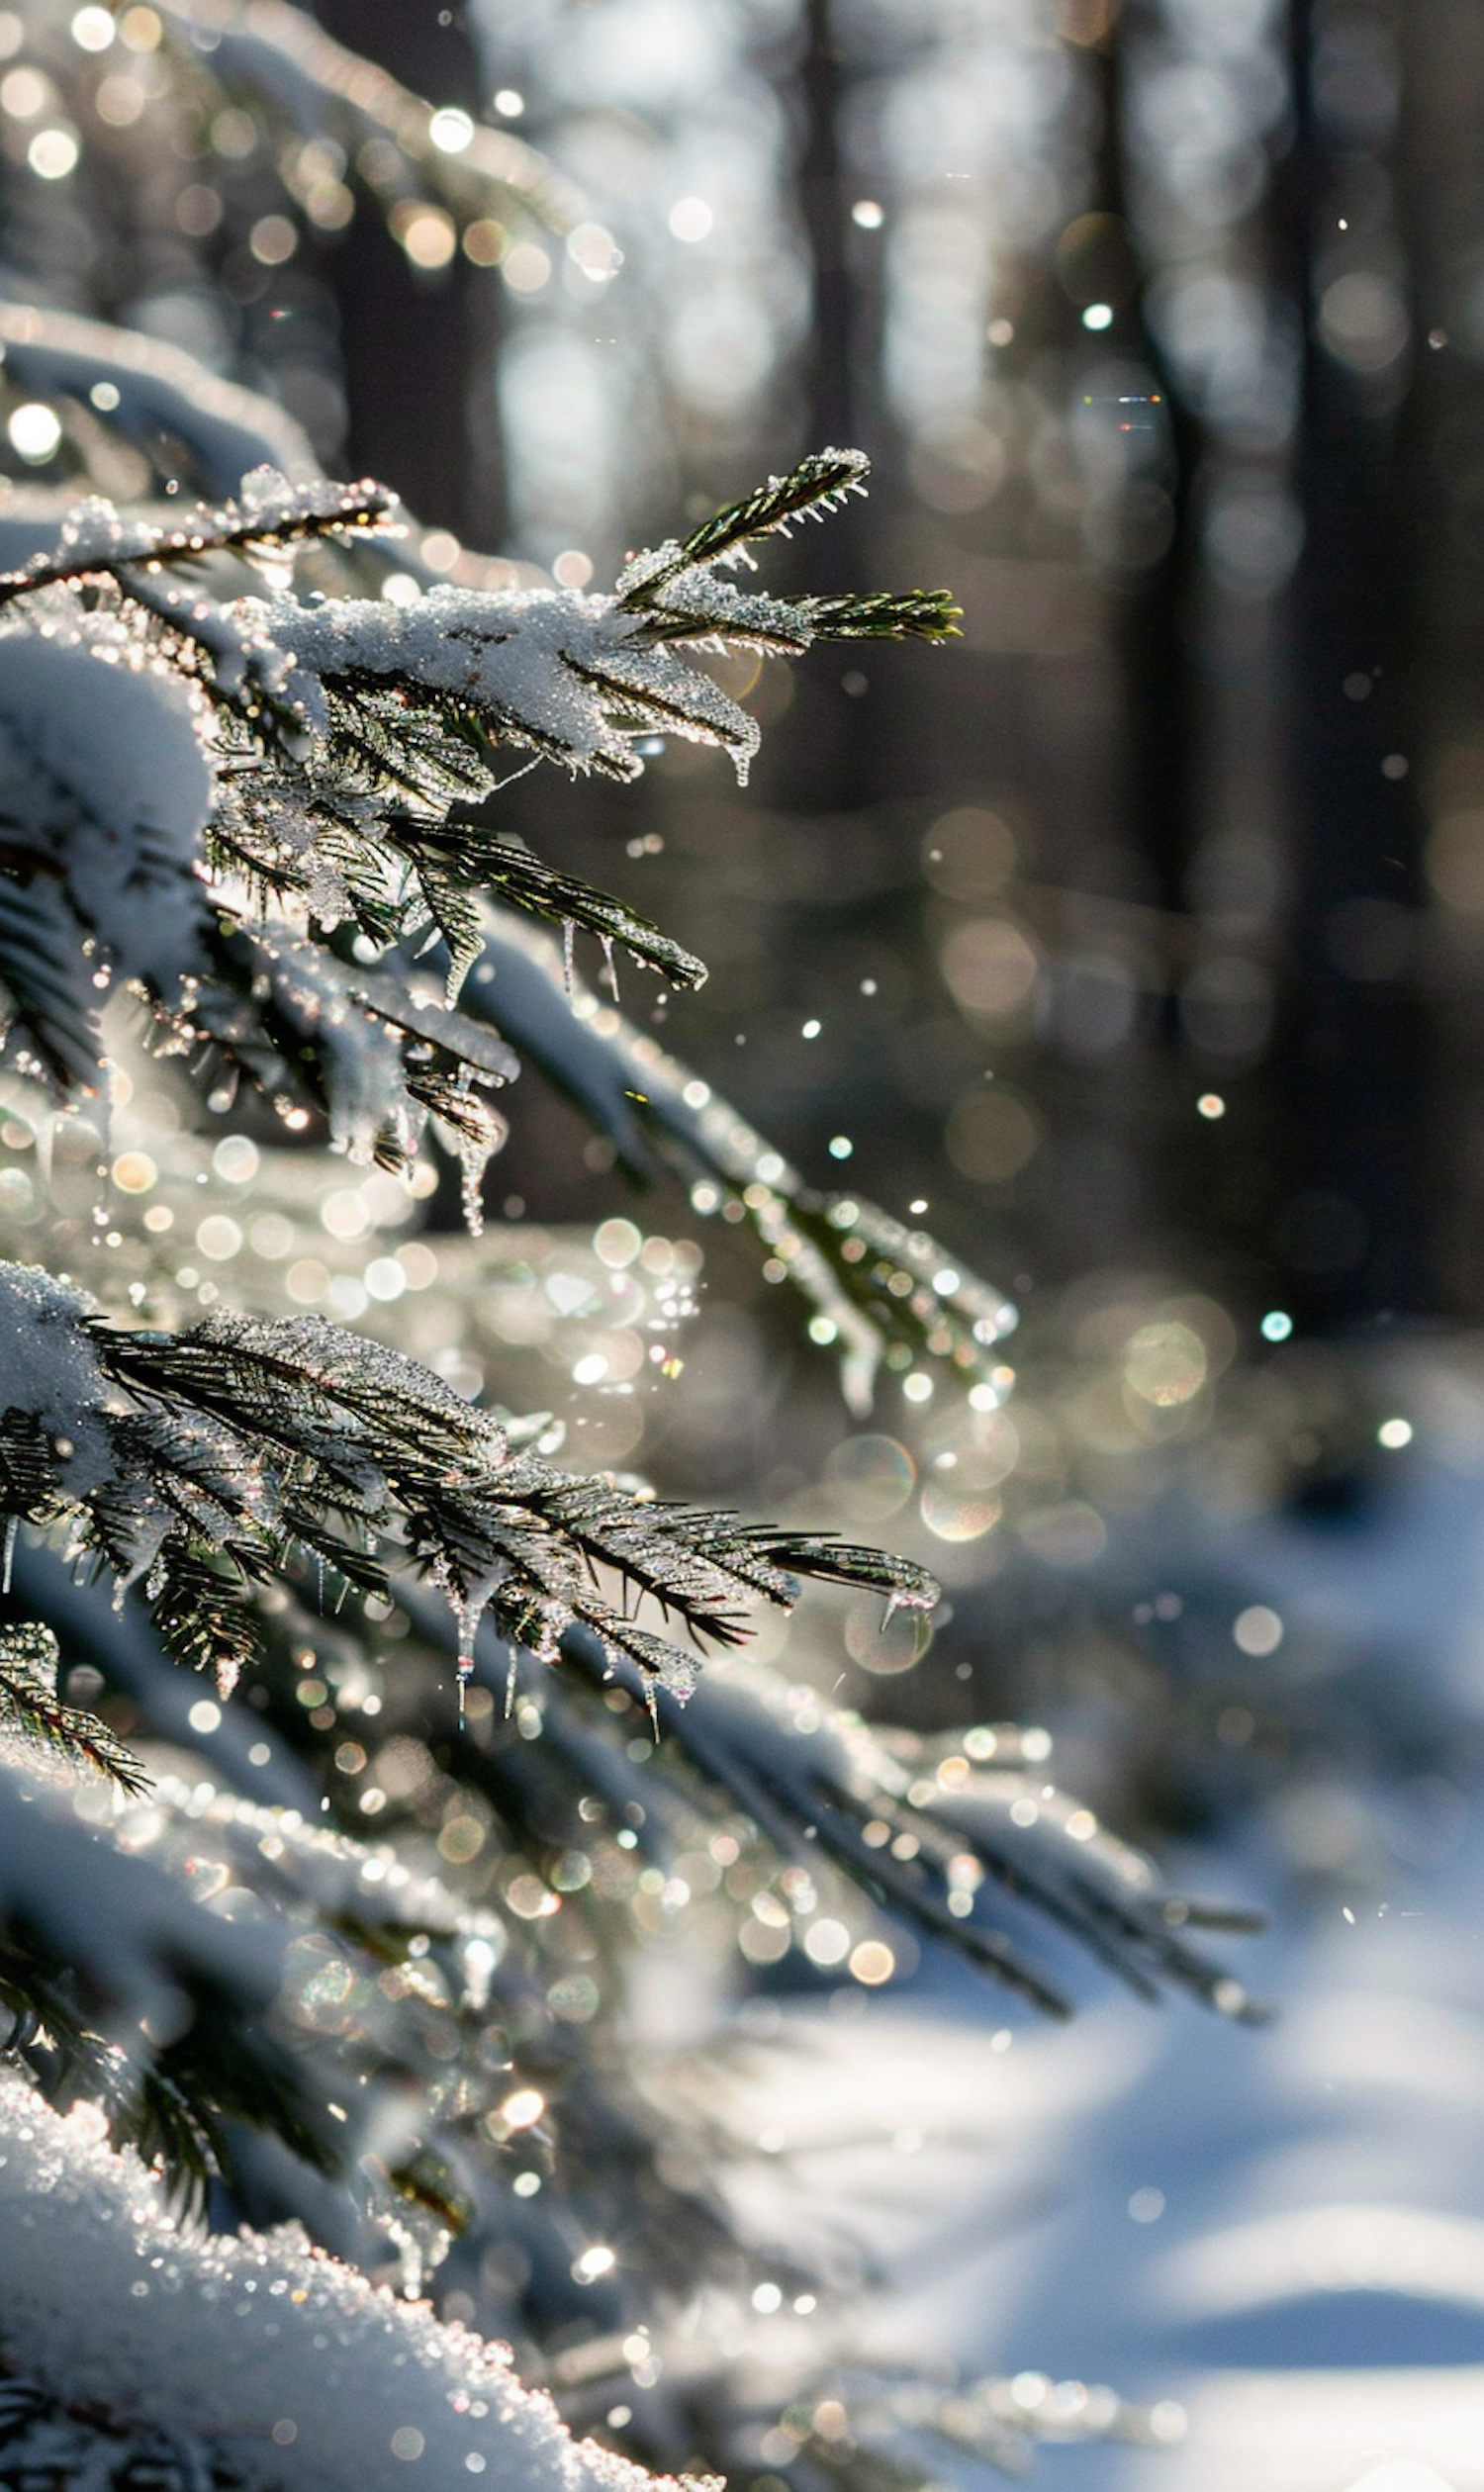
30,1705
916,614
817,485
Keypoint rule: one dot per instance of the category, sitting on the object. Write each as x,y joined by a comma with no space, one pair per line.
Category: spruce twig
915,615
233,1445
30,1706
297,516
817,485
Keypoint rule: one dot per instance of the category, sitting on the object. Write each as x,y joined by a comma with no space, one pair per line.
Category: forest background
1131,944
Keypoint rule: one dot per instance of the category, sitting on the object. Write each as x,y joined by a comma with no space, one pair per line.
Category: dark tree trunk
828,759
1154,614
418,347
1355,1236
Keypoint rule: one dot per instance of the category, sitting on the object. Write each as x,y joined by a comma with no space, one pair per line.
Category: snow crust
550,667
126,1927
305,2374
48,1369
101,771
162,389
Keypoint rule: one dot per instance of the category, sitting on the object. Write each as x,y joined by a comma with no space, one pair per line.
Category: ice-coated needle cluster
266,782
199,1459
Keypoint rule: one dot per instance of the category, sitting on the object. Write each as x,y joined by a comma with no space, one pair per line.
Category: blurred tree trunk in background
1155,611
1354,1236
832,763
1257,720
1441,172
1217,853
433,431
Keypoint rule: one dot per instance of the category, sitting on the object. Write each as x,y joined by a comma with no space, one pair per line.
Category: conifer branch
200,1462
31,1708
890,1293
280,51
456,864
928,1804
936,1832
322,759
918,614
818,485
272,519
155,387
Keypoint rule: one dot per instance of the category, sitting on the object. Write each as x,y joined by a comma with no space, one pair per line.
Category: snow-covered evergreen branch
31,1710
146,388
341,800
273,517
341,125
933,1829
283,57
198,1462
250,760
878,1291
256,2353
282,775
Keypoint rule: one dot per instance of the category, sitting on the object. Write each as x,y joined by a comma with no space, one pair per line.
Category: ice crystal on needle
34,1714
213,1456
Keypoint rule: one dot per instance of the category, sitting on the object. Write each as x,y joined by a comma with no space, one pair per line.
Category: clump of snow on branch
50,1381
260,2347
102,833
571,677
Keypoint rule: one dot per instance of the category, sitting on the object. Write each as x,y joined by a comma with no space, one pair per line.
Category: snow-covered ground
1282,2229
1279,2229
